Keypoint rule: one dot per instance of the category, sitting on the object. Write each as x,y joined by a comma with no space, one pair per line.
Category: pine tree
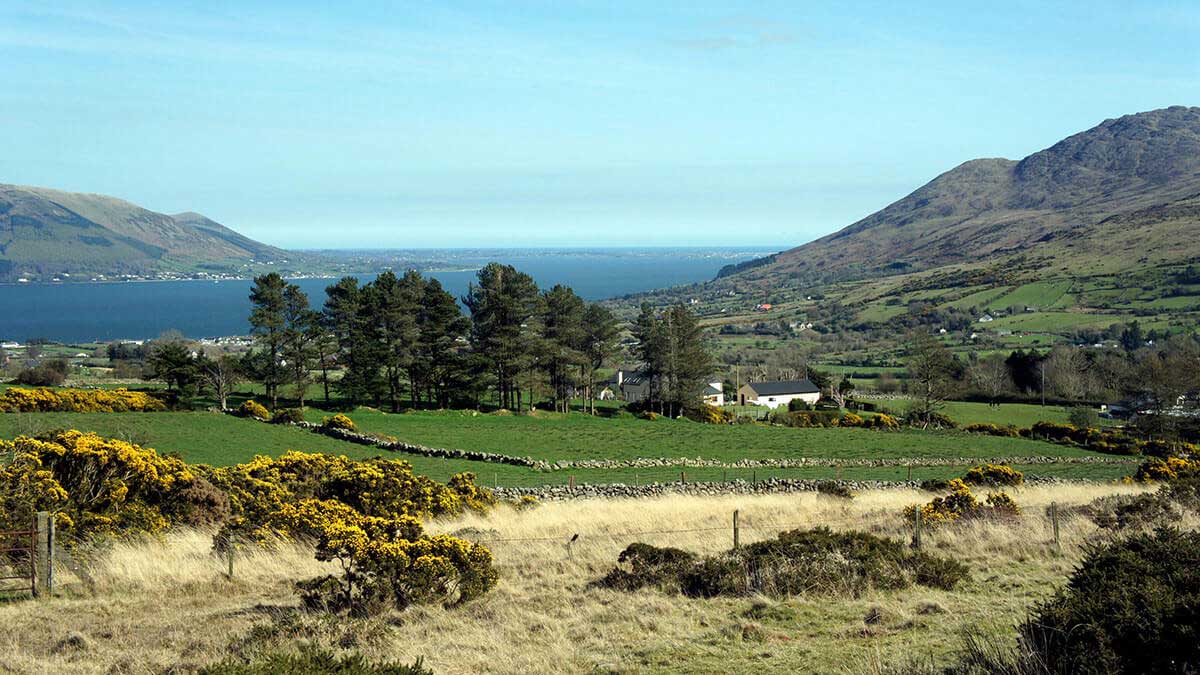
267,323
599,345
562,335
502,307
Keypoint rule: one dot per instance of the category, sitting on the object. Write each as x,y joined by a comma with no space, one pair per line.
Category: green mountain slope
1066,245
1068,206
46,232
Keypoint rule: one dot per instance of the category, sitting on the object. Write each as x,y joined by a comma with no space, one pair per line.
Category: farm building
775,394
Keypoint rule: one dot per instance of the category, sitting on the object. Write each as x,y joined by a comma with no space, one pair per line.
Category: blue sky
359,124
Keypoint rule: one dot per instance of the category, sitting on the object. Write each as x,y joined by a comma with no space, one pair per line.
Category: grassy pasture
554,437
220,439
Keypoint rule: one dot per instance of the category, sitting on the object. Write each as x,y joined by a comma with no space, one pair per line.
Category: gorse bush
101,486
1131,606
711,414
363,514
386,563
1169,469
78,400
252,408
961,504
339,421
818,561
993,474
384,488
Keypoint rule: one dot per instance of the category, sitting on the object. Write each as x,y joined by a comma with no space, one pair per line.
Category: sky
563,123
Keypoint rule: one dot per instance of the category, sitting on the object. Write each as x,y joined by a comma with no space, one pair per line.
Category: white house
714,393
779,393
986,318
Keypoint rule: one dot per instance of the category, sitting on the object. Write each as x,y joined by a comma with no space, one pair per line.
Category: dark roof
712,391
784,387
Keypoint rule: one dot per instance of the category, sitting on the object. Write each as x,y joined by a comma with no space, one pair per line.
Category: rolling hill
1066,245
1130,184
46,233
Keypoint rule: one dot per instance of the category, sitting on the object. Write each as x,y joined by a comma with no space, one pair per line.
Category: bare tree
1067,373
990,375
930,372
222,375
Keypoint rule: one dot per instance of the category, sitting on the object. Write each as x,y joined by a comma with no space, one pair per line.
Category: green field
557,437
211,438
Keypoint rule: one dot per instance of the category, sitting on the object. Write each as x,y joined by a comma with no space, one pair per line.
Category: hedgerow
78,400
817,561
1107,441
807,419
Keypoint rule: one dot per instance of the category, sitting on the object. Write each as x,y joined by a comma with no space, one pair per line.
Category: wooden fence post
725,475
50,532
683,477
754,478
917,528
735,528
1054,524
572,484
43,553
229,559
839,471
909,472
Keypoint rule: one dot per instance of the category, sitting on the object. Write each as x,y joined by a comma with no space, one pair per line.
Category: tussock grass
166,603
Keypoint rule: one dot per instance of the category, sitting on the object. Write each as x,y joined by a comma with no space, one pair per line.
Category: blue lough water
139,310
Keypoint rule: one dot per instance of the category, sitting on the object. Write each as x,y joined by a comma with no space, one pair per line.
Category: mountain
46,232
1128,185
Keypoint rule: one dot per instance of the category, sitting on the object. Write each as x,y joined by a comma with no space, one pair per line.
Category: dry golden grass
168,604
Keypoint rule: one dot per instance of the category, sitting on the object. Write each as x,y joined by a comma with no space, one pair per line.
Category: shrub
78,400
834,489
993,474
711,414
50,374
252,408
649,566
386,563
798,405
1007,431
1164,449
962,504
1117,512
1130,606
1171,468
339,421
100,486
850,420
288,416
1052,431
1084,417
883,422
797,562
378,487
